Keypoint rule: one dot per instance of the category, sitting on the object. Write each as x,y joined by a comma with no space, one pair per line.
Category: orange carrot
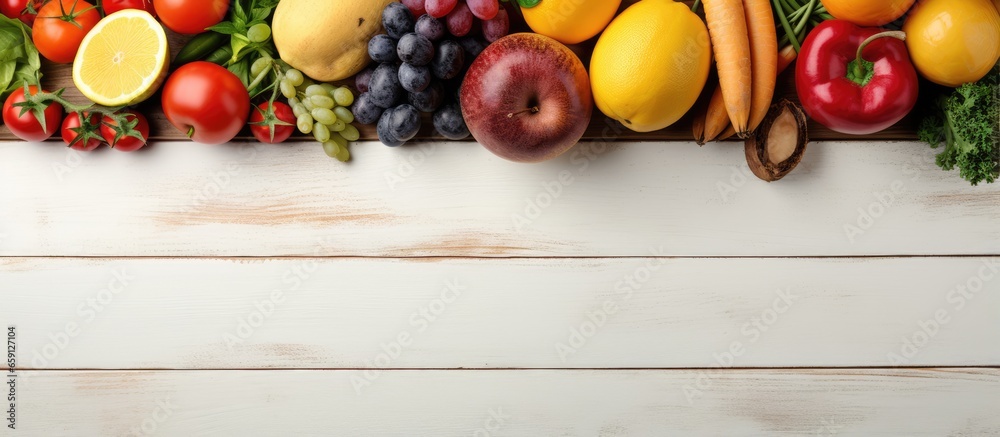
716,118
727,26
726,134
698,128
763,59
786,56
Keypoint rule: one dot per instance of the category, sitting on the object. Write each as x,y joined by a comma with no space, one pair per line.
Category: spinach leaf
19,60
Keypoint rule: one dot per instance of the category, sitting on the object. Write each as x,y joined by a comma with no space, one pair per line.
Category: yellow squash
650,64
570,21
953,42
327,39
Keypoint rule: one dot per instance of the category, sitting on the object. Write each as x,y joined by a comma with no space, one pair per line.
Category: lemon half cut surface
123,60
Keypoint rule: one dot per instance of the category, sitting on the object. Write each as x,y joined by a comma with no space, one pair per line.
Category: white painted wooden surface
143,263
522,313
183,199
912,402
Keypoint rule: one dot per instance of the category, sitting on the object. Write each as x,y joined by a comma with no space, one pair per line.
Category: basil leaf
239,42
11,44
225,28
241,70
19,60
34,60
7,69
266,4
527,4
239,15
260,14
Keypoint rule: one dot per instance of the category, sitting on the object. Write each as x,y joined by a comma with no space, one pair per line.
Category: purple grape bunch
419,65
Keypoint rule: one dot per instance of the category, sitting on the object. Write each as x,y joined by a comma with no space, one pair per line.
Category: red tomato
26,127
17,10
126,143
190,17
262,132
60,27
112,6
80,137
13,8
207,102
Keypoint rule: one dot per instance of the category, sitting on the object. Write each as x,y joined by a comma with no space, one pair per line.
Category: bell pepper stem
859,68
898,34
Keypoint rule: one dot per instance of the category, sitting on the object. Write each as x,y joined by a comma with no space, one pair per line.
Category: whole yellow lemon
650,65
953,42
570,21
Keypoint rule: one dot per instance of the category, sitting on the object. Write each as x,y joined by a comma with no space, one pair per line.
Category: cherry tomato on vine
26,126
112,6
18,10
126,142
60,27
261,120
190,17
81,133
206,102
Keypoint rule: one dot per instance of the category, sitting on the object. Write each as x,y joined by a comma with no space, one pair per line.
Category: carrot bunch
745,40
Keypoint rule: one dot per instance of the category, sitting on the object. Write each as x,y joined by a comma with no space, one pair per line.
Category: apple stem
533,110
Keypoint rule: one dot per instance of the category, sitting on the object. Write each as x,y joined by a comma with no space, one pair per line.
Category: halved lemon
123,60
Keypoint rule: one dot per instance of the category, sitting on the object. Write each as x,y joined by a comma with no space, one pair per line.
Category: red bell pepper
855,80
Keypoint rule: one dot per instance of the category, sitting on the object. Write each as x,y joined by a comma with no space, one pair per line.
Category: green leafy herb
19,61
242,70
239,23
248,44
967,121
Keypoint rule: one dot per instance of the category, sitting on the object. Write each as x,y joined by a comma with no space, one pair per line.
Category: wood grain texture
60,76
448,199
917,402
625,289
515,313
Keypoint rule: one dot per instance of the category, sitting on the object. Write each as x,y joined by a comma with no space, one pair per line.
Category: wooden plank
60,76
513,313
916,402
446,199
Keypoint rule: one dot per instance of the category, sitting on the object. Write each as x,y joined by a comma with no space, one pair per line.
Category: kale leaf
967,122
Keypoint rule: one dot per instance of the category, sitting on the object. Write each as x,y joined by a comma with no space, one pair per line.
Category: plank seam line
472,257
493,369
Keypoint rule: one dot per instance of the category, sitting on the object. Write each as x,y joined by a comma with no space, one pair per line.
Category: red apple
527,98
